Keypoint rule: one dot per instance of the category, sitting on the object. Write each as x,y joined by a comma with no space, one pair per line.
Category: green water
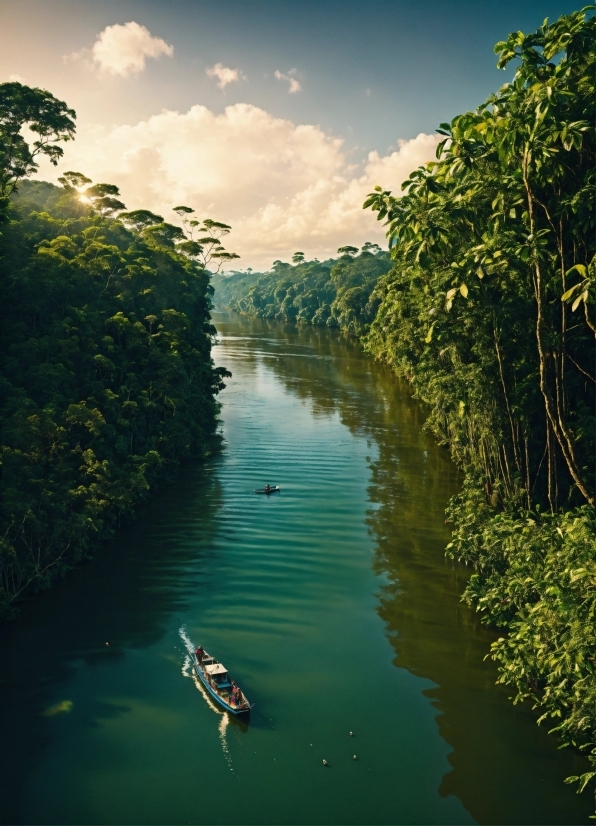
331,604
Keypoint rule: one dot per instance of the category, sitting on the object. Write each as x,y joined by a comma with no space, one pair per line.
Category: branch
581,369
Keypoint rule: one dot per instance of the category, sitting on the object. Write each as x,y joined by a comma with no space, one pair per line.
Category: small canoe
274,489
215,678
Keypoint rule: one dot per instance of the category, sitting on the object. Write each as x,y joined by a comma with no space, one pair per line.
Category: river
331,603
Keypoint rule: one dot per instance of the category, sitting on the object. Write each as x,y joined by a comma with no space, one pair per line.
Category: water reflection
505,768
119,602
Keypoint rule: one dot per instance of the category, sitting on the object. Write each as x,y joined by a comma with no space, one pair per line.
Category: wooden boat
216,680
273,489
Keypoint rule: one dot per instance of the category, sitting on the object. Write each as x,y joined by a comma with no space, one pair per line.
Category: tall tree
44,115
494,258
499,225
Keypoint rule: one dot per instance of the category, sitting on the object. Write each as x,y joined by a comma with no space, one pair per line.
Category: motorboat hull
216,696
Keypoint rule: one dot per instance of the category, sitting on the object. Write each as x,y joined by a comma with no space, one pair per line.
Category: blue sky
370,74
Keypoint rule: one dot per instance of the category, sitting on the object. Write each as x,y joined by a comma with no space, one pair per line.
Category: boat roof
216,668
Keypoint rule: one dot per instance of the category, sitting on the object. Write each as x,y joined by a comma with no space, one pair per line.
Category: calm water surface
332,605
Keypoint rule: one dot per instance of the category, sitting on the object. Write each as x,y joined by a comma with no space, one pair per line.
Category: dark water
332,605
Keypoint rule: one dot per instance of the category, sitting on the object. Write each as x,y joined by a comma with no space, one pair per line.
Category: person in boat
267,487
199,653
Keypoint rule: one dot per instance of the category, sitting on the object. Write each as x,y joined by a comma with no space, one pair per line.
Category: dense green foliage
333,293
489,312
106,378
487,241
535,575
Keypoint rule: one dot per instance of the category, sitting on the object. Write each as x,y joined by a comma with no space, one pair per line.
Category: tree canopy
47,117
333,293
489,312
106,377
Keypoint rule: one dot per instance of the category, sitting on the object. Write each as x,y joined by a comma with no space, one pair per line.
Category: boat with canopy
214,676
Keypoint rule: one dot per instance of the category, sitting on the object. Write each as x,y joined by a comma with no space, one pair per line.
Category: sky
274,116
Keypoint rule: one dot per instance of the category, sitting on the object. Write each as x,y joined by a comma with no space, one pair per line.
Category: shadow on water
116,603
506,769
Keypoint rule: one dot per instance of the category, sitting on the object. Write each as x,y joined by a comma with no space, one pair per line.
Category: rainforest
481,304
107,382
488,311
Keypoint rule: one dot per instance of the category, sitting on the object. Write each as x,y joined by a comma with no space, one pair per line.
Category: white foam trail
188,671
186,640
223,724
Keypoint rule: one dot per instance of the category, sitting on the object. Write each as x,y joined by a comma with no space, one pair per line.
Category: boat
214,676
273,489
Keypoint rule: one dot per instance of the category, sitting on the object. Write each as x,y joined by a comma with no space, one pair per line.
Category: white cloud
16,79
122,49
281,186
291,78
225,75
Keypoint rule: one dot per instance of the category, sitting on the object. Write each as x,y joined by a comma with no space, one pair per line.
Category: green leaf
580,268
569,293
583,780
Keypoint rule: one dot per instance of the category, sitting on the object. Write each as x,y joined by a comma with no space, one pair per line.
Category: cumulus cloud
16,79
282,186
291,78
122,49
224,75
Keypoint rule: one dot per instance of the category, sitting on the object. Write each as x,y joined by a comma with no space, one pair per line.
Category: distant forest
333,293
486,306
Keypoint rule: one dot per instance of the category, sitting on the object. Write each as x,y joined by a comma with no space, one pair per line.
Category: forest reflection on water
109,607
506,769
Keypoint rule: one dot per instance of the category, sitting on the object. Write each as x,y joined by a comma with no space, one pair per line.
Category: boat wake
188,671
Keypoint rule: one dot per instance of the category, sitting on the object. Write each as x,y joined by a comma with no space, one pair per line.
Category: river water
331,603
